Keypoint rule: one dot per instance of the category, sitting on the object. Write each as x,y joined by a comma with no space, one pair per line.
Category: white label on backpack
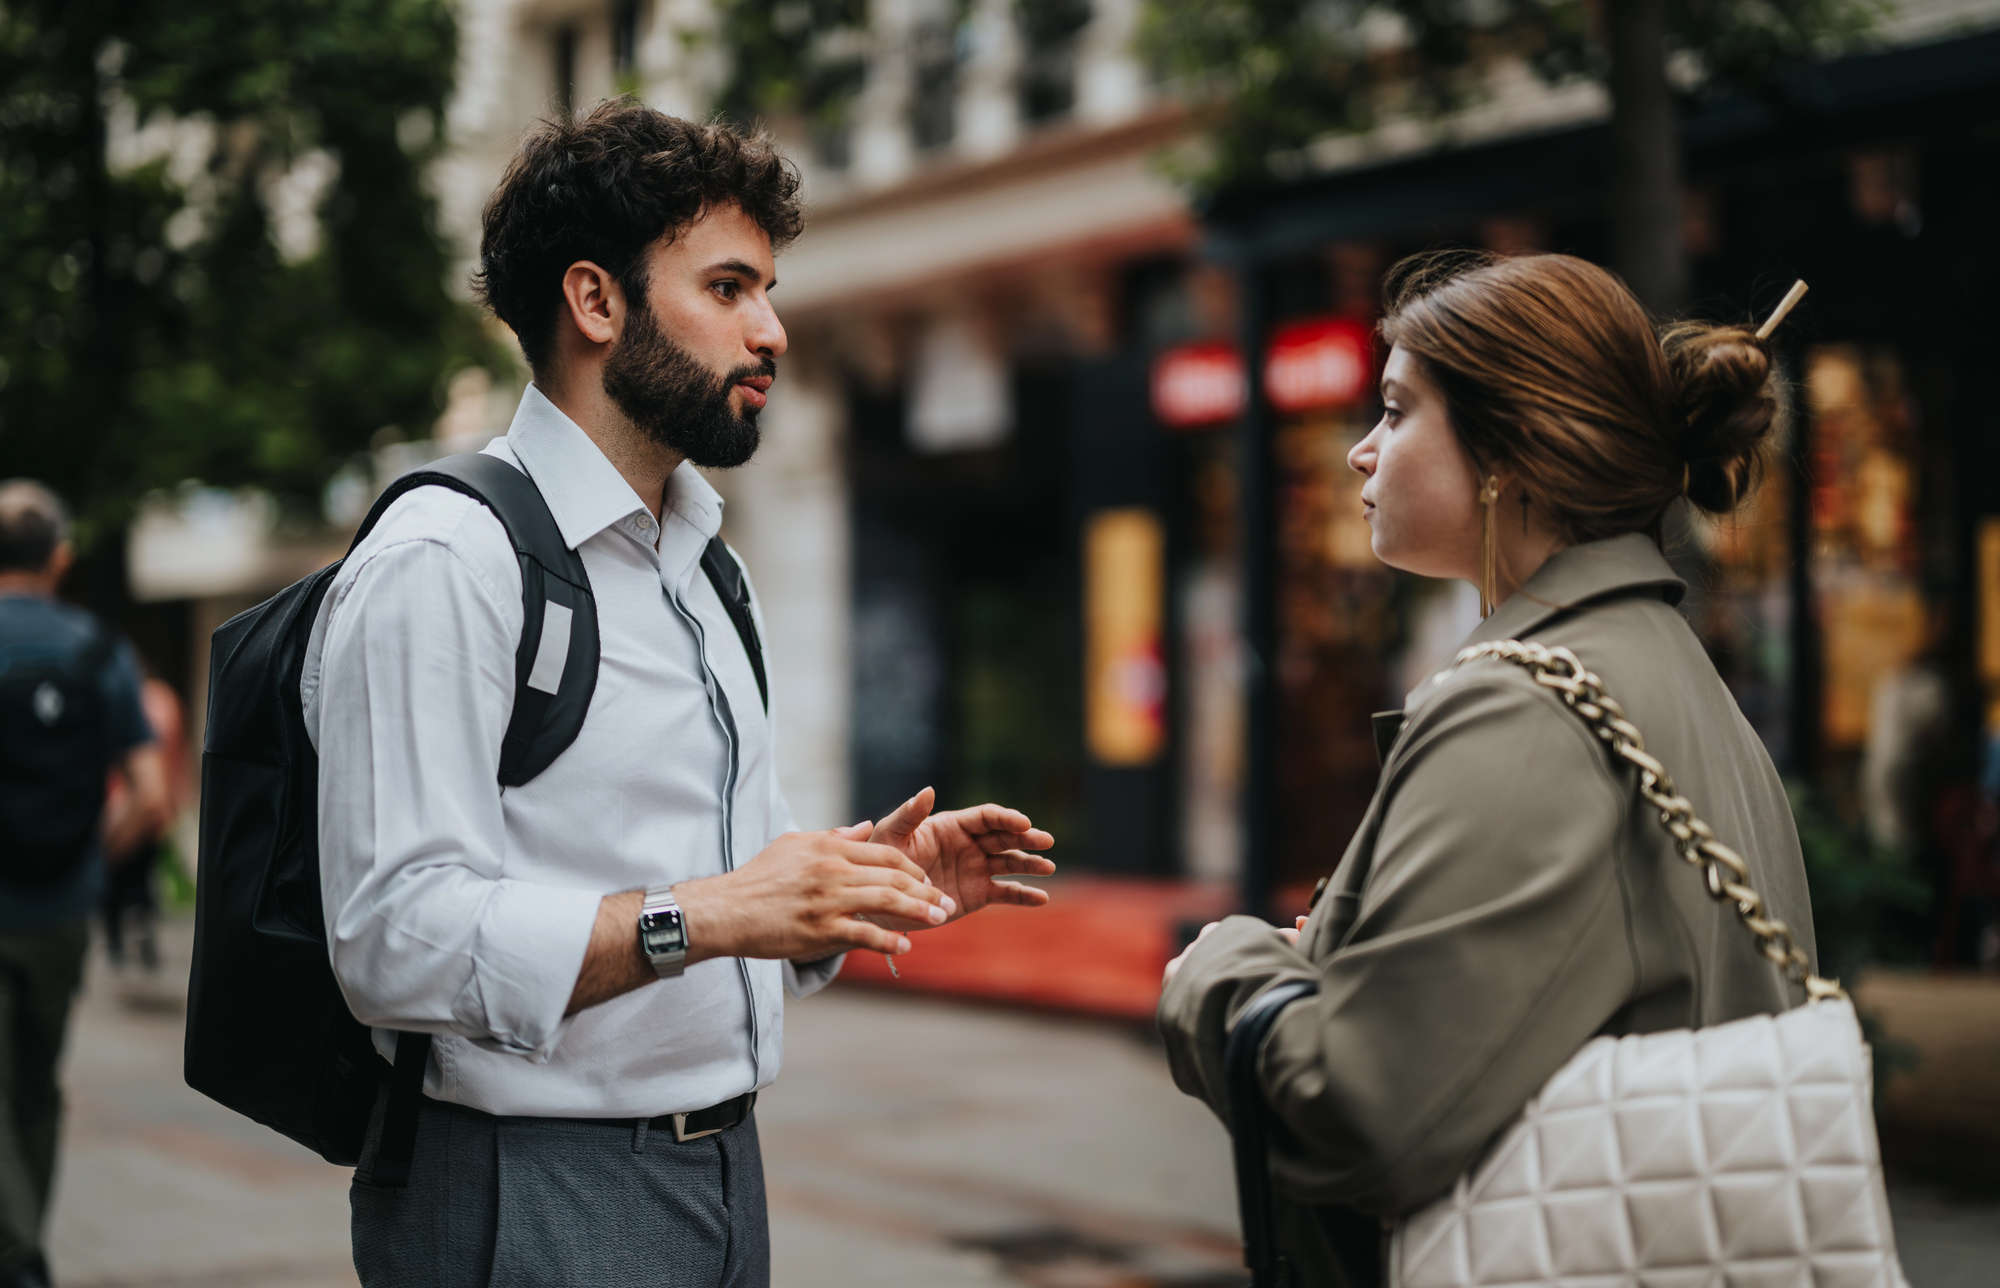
48,704
547,672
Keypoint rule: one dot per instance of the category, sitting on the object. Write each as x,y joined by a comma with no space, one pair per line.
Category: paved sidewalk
912,1143
160,1187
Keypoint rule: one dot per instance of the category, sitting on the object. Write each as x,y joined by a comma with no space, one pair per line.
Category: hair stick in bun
1792,297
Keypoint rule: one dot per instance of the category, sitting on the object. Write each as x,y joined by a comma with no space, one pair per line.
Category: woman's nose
1361,457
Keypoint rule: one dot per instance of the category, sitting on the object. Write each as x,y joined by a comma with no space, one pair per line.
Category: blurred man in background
70,714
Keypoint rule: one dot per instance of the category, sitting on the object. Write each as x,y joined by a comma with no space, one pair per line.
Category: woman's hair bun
1727,391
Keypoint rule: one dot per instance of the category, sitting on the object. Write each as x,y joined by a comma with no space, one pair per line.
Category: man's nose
767,334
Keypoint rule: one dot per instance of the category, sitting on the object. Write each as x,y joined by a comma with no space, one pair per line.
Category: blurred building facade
1011,484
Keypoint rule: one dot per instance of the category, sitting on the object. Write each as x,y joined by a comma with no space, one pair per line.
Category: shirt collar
584,490
1579,574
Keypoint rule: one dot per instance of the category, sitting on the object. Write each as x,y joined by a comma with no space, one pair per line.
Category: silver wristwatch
663,933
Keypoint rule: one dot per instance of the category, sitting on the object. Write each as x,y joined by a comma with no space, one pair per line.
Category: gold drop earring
1489,541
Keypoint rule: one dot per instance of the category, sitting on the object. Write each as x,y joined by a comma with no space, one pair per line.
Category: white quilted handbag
1741,1154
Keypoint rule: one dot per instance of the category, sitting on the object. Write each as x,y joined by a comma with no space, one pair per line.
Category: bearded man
587,1116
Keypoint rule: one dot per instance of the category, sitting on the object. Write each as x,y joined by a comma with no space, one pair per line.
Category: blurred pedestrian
131,904
69,715
1509,895
601,952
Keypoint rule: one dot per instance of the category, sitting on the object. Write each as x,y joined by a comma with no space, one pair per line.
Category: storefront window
1874,625
1745,618
1340,626
1209,593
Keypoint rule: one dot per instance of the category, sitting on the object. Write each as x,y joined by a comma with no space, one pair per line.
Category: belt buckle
681,1133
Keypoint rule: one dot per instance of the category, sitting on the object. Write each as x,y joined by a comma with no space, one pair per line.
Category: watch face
662,930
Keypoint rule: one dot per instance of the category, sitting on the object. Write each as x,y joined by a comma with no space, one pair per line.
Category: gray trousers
535,1202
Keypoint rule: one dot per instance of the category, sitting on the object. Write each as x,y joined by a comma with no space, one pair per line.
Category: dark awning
1947,85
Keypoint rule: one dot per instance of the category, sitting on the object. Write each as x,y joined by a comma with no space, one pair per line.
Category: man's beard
679,403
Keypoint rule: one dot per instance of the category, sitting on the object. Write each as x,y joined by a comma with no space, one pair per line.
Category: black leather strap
1247,1130
543,724
398,1142
727,578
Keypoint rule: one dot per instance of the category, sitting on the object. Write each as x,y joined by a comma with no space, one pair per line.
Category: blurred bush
218,259
1870,905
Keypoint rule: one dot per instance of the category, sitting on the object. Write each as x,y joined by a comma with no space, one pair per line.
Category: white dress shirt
459,909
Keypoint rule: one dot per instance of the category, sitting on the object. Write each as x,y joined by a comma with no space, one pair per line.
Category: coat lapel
1625,564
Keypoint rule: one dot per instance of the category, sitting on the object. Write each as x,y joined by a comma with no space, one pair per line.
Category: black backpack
268,1032
54,732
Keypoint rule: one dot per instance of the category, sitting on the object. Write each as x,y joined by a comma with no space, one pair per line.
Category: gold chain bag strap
1741,1152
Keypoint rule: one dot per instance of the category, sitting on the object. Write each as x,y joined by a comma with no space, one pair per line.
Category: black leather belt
688,1126
706,1122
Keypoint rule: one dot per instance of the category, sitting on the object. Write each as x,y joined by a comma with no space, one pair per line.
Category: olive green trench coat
1506,898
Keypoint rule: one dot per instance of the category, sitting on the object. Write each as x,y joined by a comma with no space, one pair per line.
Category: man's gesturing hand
800,896
965,852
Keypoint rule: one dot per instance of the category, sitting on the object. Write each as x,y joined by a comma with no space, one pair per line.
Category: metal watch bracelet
663,932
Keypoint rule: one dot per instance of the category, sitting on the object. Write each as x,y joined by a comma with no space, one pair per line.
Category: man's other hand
965,852
800,897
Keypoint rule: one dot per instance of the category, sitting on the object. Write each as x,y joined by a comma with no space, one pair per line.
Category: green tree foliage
1273,76
150,327
802,58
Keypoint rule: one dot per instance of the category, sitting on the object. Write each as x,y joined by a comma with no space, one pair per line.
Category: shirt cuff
804,981
532,941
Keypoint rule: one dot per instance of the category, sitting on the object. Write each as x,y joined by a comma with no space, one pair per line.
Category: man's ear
595,300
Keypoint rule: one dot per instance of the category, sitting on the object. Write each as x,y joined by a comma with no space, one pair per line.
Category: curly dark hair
604,187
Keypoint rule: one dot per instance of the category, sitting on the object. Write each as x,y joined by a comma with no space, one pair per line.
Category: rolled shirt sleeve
425,928
801,979
1488,946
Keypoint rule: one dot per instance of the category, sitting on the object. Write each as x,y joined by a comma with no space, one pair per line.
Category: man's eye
727,290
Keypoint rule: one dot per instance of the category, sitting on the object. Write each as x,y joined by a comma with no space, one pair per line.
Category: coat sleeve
1489,945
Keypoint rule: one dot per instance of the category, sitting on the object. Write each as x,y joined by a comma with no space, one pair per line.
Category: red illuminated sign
1313,365
1309,366
1198,384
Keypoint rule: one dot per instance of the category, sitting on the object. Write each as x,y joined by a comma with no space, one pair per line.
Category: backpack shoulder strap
555,673
727,577
555,665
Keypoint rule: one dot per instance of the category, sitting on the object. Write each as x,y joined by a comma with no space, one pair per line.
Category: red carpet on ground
1098,947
